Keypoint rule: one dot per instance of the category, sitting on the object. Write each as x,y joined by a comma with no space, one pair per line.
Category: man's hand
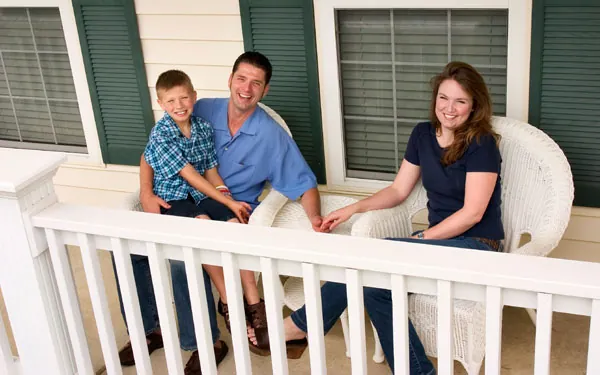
316,221
152,203
241,210
331,221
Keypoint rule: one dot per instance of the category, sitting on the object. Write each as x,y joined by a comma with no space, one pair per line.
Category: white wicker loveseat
537,195
276,210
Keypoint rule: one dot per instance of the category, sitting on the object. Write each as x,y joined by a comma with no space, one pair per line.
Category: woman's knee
203,217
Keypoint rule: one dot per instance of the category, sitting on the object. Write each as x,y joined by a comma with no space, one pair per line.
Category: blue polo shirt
445,186
260,151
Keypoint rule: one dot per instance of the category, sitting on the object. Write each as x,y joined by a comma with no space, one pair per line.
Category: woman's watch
420,235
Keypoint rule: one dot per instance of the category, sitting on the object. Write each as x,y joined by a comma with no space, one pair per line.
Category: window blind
38,104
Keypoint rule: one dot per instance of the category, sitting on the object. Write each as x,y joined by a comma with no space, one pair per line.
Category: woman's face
453,105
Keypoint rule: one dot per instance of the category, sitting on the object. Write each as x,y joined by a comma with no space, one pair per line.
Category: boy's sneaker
126,354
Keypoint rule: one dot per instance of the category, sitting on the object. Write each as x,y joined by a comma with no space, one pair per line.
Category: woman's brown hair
479,122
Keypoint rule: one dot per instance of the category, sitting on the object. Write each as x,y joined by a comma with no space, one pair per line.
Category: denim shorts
207,206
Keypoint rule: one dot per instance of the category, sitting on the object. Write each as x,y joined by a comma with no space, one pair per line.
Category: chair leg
532,314
346,331
378,356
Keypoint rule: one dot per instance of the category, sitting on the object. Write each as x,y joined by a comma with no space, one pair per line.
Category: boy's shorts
207,206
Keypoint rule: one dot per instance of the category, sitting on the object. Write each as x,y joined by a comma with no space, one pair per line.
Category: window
387,59
376,59
38,104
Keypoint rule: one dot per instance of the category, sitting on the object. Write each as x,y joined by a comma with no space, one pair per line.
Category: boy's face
178,102
247,86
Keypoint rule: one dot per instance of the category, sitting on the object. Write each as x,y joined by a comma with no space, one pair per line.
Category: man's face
247,86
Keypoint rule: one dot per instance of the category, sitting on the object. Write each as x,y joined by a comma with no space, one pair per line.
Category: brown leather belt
494,244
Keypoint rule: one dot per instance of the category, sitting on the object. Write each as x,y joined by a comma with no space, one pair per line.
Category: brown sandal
295,348
257,317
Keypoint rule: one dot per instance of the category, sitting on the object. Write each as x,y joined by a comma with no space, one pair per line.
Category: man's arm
311,202
150,202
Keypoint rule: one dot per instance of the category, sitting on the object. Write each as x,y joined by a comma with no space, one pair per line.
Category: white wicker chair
537,195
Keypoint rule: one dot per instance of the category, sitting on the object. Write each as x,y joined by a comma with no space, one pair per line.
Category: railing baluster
593,363
131,305
493,330
314,317
400,310
273,304
95,282
7,362
543,334
194,272
164,298
356,312
239,335
70,302
445,322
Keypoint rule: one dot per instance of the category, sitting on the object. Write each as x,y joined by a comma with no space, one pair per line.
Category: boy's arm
150,201
191,175
212,176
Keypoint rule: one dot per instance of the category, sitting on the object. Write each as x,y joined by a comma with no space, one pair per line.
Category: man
252,149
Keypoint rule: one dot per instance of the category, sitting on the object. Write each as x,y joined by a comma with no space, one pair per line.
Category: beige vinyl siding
199,37
208,61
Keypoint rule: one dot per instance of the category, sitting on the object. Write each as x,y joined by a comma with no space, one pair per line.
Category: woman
456,154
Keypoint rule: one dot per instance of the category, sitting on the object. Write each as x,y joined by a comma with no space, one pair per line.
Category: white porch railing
39,291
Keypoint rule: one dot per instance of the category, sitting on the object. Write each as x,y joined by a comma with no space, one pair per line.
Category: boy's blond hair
172,78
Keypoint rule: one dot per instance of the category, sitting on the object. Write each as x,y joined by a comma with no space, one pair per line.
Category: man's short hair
172,78
256,59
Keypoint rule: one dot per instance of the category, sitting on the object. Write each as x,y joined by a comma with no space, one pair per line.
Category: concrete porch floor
569,339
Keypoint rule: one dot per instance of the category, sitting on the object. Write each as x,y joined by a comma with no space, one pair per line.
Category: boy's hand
152,203
241,210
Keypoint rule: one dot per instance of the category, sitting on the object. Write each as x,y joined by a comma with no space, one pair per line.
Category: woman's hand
331,221
240,209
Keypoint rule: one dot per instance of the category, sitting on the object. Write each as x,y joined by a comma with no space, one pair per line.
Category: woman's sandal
295,348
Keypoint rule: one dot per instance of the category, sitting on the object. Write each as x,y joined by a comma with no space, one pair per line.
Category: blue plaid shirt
168,151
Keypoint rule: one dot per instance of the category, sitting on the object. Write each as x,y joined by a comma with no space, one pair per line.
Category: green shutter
565,86
284,31
114,65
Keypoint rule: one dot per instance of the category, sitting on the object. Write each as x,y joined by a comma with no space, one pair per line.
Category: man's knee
203,217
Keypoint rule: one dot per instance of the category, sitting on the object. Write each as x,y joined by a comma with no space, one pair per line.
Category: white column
26,275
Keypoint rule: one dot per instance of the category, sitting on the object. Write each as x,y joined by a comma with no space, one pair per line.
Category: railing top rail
537,274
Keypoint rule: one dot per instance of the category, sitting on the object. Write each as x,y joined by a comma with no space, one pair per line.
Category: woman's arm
479,187
391,196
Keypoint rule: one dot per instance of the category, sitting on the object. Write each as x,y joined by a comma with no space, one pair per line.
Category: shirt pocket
236,174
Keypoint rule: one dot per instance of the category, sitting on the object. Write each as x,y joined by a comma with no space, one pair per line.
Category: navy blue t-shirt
445,186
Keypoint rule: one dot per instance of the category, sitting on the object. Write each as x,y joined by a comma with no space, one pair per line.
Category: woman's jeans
378,303
181,295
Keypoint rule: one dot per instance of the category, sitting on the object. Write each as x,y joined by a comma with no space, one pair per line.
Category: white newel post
26,275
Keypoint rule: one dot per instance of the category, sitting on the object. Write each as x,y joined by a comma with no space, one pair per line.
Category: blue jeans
181,294
378,303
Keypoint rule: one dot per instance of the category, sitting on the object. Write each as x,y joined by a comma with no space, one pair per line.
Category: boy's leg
181,294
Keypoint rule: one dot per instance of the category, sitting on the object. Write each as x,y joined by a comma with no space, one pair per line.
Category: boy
182,154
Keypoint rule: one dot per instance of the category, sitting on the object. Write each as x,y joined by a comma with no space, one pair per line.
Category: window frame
517,73
67,16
